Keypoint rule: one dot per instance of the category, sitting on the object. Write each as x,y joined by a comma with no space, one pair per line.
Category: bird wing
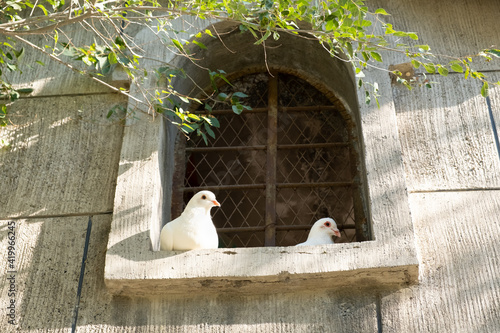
211,237
167,237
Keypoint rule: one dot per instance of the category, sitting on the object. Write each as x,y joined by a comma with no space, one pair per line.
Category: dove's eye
203,197
327,224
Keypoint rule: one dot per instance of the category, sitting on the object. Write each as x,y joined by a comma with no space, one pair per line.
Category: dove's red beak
216,203
336,232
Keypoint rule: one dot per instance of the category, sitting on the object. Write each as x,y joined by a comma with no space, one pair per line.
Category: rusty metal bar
225,148
307,227
308,108
272,149
312,185
230,111
263,147
278,228
226,187
314,145
281,108
263,186
240,229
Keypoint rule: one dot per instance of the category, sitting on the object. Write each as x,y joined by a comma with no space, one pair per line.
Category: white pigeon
194,228
322,232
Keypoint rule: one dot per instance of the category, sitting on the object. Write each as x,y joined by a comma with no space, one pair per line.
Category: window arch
276,169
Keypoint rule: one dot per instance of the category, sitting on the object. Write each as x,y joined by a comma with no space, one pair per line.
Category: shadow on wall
446,135
62,156
52,278
459,276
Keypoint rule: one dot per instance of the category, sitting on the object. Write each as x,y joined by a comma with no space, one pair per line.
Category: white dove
194,228
321,232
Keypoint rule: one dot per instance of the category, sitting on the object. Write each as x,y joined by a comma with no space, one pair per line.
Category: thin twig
217,33
53,57
265,58
48,28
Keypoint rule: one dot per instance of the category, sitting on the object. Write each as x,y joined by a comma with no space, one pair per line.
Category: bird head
205,199
327,225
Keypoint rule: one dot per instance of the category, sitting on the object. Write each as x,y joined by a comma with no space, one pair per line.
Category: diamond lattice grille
313,175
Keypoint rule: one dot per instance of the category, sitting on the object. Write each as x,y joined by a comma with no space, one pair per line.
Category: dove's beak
336,232
216,203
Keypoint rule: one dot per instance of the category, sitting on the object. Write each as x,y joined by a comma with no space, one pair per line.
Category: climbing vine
346,29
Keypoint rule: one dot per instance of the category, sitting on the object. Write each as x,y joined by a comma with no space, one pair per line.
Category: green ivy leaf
222,96
178,45
350,51
240,95
120,42
494,52
25,90
14,96
3,111
3,116
237,108
212,121
189,128
208,32
184,99
112,58
416,63
193,116
264,38
457,68
209,130
477,75
443,71
203,135
381,11
423,48
43,9
331,24
430,68
485,89
413,35
200,44
376,56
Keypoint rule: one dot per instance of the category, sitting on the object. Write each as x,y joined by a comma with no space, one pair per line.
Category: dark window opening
275,169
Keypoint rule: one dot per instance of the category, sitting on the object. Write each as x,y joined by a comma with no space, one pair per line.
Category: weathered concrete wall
452,169
63,164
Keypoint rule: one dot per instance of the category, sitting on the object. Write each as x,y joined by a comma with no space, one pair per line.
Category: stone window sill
262,270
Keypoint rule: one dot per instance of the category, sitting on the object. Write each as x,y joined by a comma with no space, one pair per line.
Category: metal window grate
275,169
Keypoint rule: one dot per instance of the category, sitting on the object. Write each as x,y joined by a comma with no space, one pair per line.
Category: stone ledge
261,270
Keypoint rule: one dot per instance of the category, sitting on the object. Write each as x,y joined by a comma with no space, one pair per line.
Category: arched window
329,154
277,168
